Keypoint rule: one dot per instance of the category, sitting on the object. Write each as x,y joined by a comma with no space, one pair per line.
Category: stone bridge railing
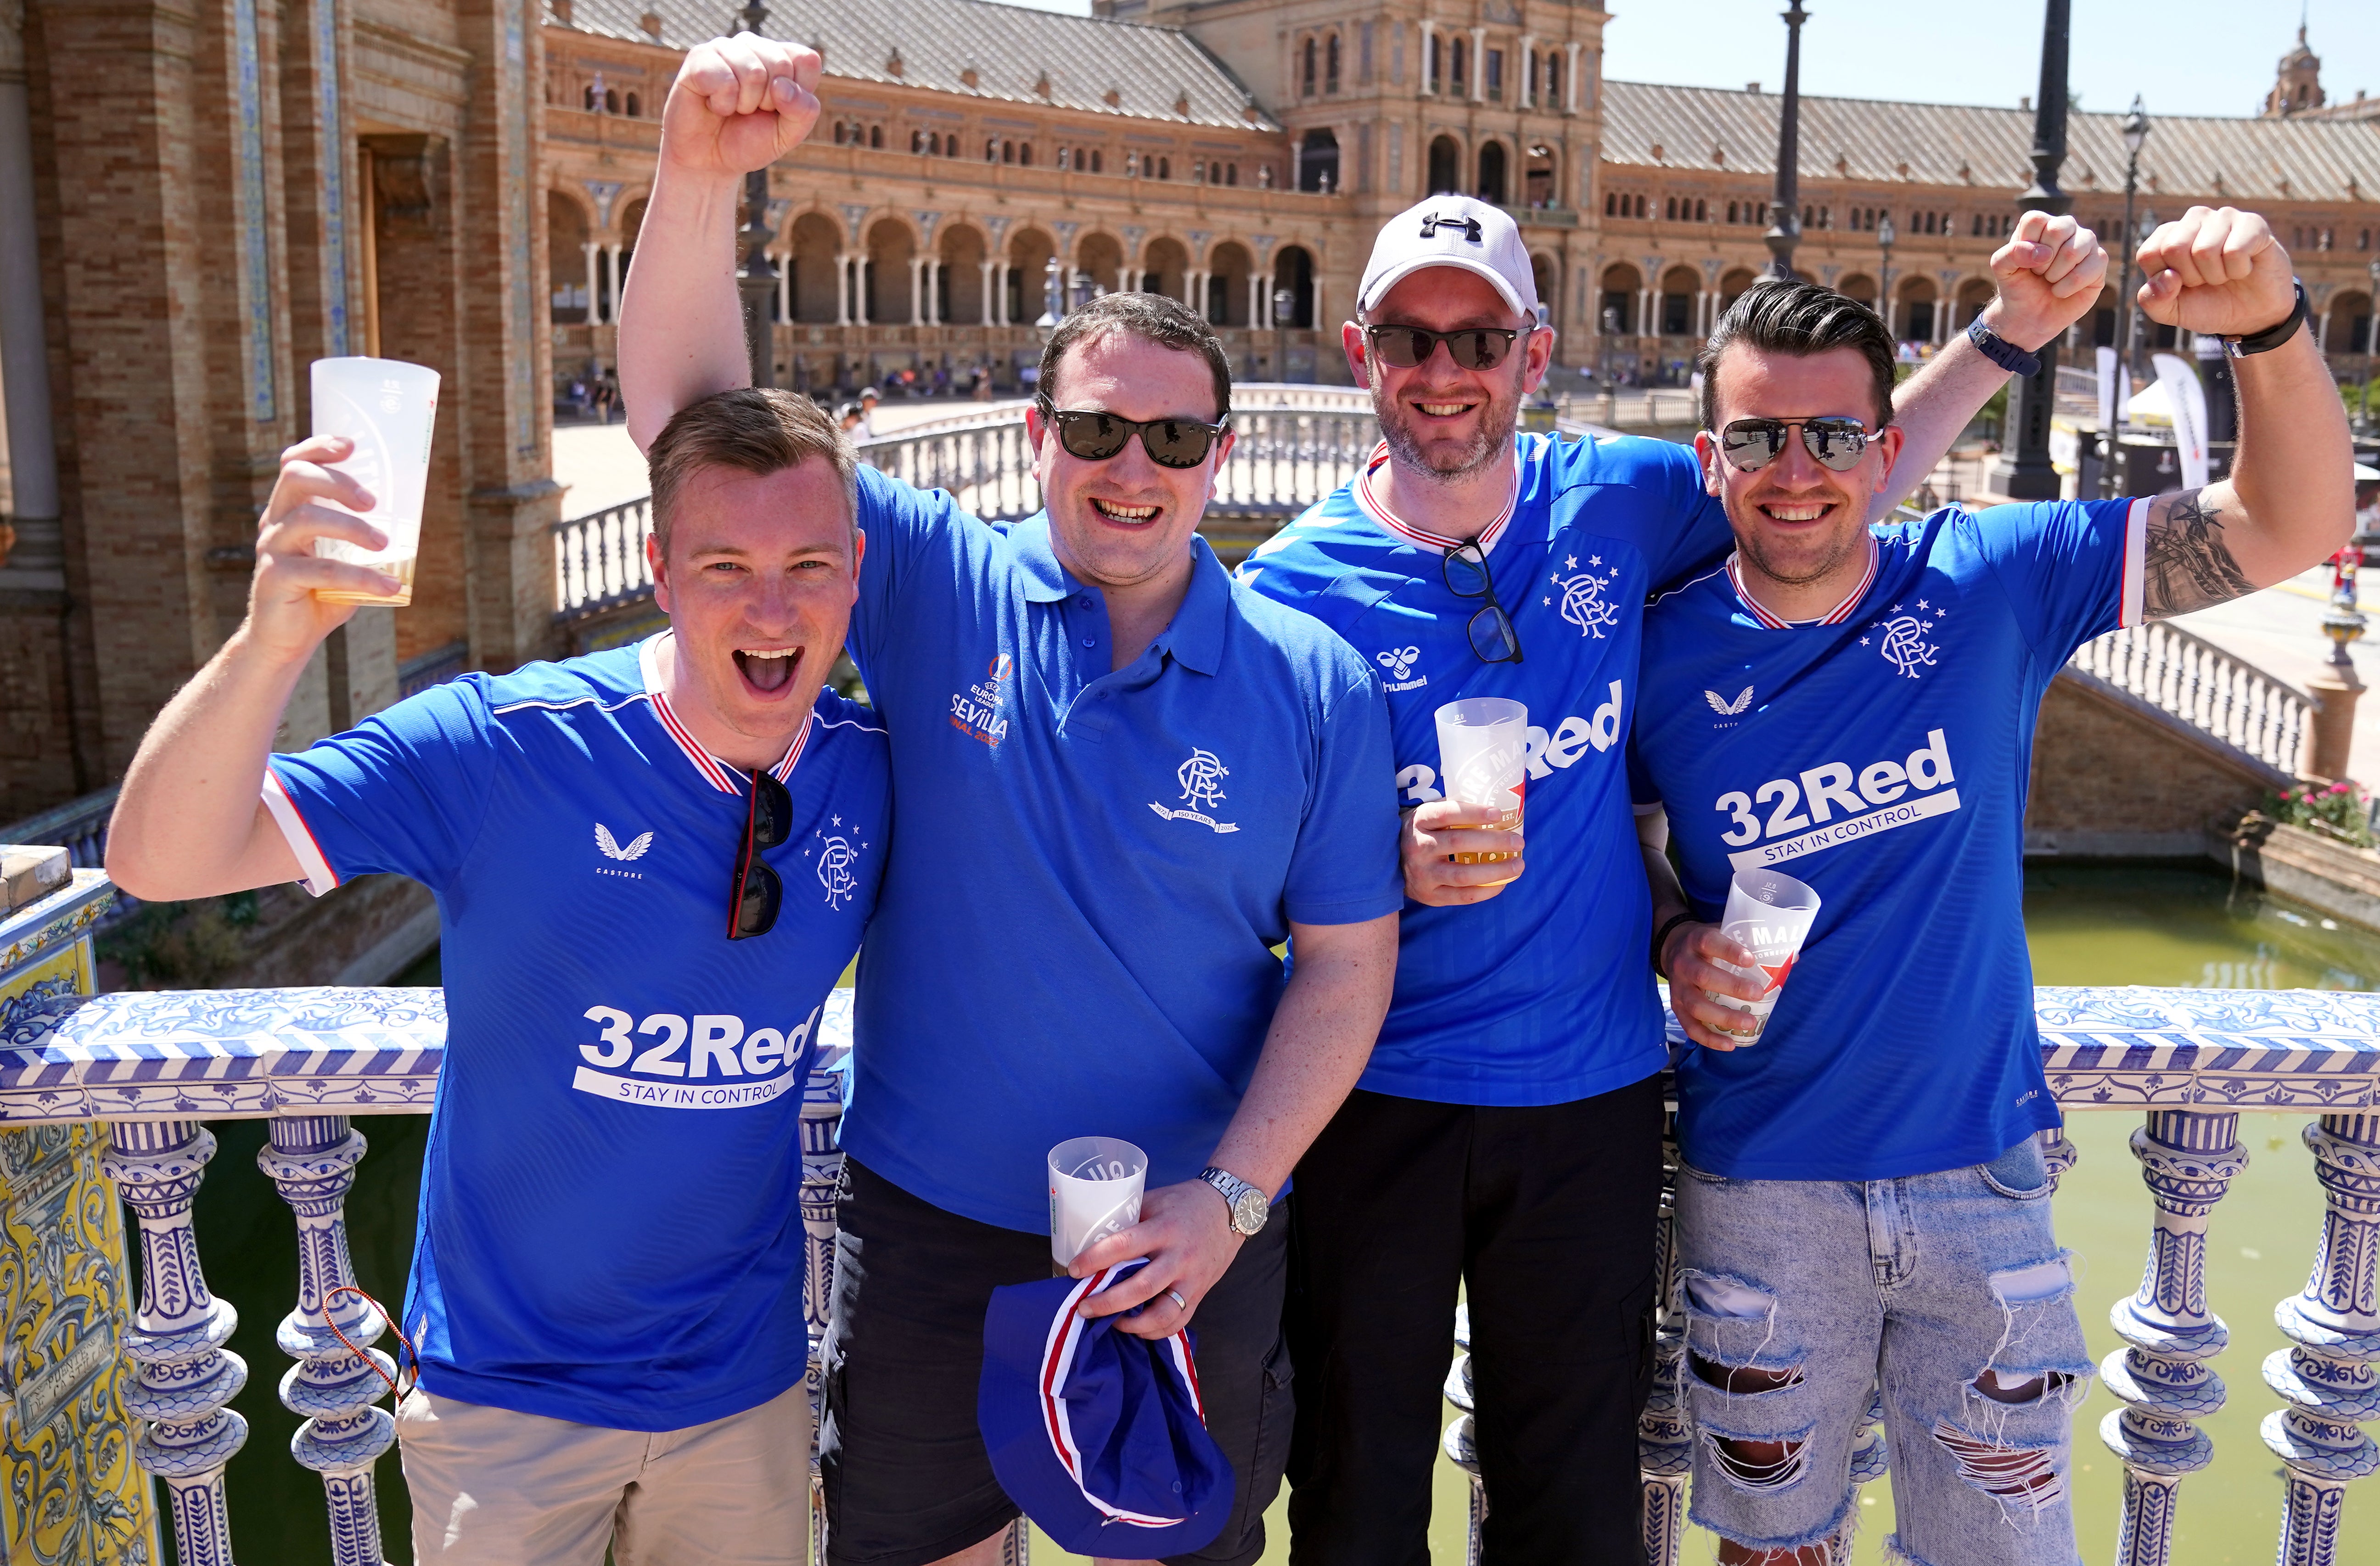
2222,696
1295,444
109,1096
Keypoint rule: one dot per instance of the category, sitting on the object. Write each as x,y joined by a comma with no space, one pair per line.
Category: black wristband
2271,337
1662,935
2001,351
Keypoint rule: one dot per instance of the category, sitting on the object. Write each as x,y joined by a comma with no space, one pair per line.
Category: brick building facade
258,183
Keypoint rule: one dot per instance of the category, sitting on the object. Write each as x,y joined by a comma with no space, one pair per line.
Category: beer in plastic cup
387,407
1770,914
1094,1184
1482,759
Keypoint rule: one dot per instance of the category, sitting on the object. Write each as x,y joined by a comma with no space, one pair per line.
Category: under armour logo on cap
1431,223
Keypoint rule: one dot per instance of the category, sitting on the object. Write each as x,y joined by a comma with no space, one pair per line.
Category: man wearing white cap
1505,1138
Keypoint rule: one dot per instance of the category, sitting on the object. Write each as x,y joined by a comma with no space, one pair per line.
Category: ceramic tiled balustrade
152,1068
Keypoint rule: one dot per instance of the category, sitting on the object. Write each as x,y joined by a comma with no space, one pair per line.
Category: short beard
1497,423
1748,541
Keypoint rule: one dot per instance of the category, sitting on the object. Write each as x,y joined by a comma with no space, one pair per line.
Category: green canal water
2088,925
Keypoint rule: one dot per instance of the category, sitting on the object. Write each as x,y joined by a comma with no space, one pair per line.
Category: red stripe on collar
1377,509
1835,616
721,777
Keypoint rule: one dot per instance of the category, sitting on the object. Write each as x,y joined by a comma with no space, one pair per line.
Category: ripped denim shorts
1938,1304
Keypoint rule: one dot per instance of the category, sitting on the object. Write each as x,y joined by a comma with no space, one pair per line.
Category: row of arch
960,278
1496,171
1684,304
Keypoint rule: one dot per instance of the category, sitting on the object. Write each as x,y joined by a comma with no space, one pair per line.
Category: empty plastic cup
1483,749
388,407
1771,915
1095,1185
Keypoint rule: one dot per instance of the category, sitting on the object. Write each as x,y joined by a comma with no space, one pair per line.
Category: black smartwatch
2271,337
2001,351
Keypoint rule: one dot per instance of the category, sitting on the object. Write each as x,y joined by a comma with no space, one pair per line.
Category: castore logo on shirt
1540,752
611,849
1201,778
1726,708
974,712
1399,662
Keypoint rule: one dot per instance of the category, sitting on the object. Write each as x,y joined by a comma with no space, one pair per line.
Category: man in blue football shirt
1863,1207
1121,780
1505,1138
652,865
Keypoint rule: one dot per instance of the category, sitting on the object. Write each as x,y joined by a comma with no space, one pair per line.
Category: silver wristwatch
1249,1206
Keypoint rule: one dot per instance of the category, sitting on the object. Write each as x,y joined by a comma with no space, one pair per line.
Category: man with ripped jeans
1863,1216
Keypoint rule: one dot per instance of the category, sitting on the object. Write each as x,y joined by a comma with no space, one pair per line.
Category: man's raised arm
739,104
2290,501
2048,274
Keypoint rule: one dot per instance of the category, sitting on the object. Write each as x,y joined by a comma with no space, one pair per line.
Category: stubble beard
1793,573
1498,421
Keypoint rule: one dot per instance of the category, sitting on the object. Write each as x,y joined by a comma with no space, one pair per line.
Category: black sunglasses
1493,641
1169,443
753,900
1472,347
1753,443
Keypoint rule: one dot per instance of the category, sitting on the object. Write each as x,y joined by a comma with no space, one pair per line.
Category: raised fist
2048,274
2217,272
740,103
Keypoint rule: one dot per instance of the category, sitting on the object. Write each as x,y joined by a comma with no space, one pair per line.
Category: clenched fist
2217,272
739,104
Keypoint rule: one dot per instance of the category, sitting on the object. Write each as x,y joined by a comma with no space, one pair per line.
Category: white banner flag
2106,388
2188,399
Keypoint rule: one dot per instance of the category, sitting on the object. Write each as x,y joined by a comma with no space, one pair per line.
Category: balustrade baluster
2188,1160
1461,1440
182,1374
822,1180
2331,1379
311,1160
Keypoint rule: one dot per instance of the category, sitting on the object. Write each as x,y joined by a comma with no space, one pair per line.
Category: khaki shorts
493,1486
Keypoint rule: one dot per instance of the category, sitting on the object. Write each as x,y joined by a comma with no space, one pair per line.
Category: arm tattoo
2186,563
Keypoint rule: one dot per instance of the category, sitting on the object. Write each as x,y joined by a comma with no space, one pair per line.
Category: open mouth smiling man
1120,780
1505,1138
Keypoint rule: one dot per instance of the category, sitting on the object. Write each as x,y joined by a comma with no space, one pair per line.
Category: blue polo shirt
608,1230
1541,994
1879,753
1090,869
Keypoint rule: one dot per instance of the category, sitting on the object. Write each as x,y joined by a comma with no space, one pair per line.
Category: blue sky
2182,57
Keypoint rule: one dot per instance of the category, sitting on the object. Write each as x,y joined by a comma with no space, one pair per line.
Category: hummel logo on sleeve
1729,709
611,845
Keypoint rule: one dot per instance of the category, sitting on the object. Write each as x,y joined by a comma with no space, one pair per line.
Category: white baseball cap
1452,231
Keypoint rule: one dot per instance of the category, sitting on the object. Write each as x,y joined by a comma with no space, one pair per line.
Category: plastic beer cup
1483,759
388,408
1770,915
1095,1185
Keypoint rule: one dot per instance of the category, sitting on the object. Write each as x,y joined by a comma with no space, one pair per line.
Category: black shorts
907,1479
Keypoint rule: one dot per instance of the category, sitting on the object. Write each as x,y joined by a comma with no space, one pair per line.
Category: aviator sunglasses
1470,347
1836,443
753,900
1096,437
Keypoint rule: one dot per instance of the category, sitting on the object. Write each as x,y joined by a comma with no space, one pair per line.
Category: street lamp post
1785,206
756,278
1885,235
2135,132
2024,472
2371,339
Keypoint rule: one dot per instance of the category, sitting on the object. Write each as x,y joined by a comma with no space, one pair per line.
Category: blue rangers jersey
1880,754
1541,995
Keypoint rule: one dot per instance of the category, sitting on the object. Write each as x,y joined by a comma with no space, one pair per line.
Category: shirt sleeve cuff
2136,535
318,877
1348,910
1649,807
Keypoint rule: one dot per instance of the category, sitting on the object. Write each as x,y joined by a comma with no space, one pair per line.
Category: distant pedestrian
849,417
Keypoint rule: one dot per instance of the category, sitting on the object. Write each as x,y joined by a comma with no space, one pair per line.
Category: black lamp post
1785,206
2371,340
2135,132
756,278
1885,235
2023,470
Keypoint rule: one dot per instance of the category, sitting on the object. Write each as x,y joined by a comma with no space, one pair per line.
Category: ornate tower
2297,87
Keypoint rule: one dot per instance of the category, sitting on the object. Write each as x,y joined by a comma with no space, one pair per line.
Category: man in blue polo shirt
1508,1129
652,865
1122,781
1854,707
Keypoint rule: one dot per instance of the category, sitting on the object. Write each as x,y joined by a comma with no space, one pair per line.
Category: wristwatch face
1249,1210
